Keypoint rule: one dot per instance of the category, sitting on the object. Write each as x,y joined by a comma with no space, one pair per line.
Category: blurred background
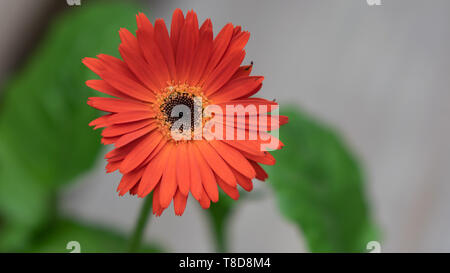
366,157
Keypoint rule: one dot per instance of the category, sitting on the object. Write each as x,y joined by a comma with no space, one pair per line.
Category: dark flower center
178,99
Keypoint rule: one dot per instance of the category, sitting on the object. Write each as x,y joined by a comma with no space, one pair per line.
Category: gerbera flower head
191,150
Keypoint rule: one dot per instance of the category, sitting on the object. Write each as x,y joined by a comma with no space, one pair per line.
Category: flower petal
121,129
163,41
216,162
260,172
127,138
244,182
243,71
183,172
204,201
154,171
130,51
153,56
223,72
238,88
208,179
102,86
195,177
229,190
169,180
132,116
203,52
187,44
179,203
234,158
175,28
129,180
156,207
117,74
116,105
220,45
140,152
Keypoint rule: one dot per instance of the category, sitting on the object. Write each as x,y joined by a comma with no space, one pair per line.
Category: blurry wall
21,23
379,74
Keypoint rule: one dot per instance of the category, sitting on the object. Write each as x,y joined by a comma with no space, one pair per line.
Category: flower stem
141,223
221,242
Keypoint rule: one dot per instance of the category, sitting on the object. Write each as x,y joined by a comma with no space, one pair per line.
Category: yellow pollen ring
172,95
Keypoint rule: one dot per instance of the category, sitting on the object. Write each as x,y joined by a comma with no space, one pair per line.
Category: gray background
378,74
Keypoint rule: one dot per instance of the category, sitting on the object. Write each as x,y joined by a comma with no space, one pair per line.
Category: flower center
175,99
179,111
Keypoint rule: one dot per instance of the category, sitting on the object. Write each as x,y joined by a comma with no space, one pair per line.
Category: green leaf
319,186
91,239
45,140
24,204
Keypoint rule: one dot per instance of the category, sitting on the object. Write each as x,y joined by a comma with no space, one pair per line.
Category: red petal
101,121
127,138
208,179
175,28
132,116
157,209
204,201
168,180
242,71
129,180
221,43
93,64
155,61
237,43
140,152
117,105
260,172
121,129
223,72
195,177
238,88
243,181
203,52
102,86
187,45
216,162
248,146
165,46
183,173
234,158
154,171
130,51
229,190
179,203
118,75
267,159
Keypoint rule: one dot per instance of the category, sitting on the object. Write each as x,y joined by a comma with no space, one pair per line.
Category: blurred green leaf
45,140
23,202
319,186
91,239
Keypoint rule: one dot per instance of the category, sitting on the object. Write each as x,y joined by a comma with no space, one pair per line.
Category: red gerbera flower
159,72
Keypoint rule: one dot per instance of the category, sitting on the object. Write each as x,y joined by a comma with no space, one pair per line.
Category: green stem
221,246
141,223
